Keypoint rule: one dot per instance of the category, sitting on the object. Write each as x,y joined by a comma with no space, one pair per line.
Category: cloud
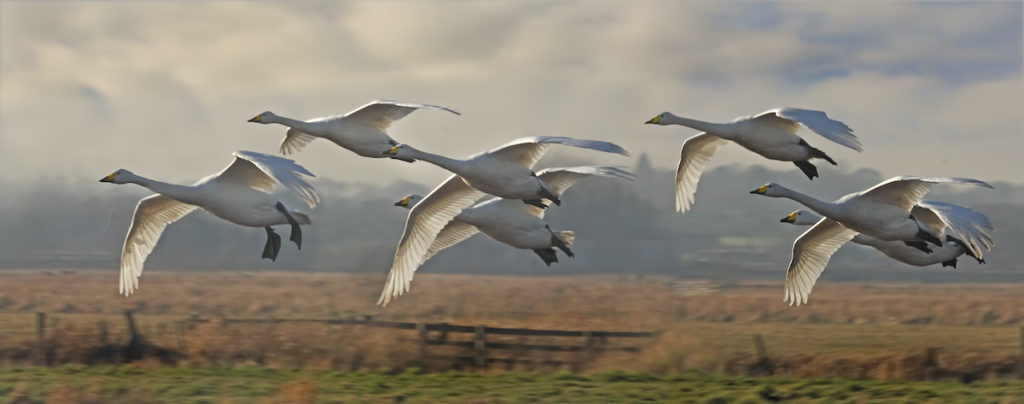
165,87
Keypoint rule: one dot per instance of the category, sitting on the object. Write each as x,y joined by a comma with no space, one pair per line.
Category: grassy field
72,384
884,332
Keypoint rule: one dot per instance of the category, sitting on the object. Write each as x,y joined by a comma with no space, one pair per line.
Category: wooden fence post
104,332
135,346
40,338
480,346
759,346
421,331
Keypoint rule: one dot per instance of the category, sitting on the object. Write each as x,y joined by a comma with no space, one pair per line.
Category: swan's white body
238,194
509,221
899,251
363,131
771,134
883,212
505,171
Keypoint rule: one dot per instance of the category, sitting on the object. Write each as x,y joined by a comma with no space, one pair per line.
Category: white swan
238,194
504,172
772,134
514,223
947,255
882,211
362,131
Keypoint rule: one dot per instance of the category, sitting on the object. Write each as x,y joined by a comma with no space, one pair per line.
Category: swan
506,171
883,212
947,255
772,134
238,194
362,131
516,224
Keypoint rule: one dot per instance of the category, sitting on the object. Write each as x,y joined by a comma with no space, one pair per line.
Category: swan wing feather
820,123
455,232
261,171
152,215
966,224
811,253
561,179
381,113
907,191
693,158
422,226
528,150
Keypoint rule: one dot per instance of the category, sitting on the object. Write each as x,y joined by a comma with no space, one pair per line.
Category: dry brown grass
857,330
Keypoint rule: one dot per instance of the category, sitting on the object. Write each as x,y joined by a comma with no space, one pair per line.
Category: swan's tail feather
567,237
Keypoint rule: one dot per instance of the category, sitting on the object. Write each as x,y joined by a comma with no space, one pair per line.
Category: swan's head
264,117
769,189
409,201
658,118
395,150
801,218
121,176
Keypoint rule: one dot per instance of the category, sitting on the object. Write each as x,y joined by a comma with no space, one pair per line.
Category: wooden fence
478,351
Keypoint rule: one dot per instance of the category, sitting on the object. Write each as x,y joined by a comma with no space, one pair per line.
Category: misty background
622,227
164,89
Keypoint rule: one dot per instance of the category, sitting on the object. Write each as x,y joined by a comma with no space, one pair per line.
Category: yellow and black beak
403,203
392,151
761,190
109,178
656,119
789,219
257,118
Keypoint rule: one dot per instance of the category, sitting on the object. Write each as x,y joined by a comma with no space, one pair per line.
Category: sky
165,88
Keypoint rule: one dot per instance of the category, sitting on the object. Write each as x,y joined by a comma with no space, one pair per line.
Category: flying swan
514,223
772,134
883,212
926,212
504,172
238,194
362,131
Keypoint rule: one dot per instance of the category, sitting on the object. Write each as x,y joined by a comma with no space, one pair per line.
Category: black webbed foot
296,235
546,254
809,169
950,263
273,245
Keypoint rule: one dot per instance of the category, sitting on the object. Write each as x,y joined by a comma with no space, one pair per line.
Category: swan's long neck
719,129
823,208
454,165
293,123
180,193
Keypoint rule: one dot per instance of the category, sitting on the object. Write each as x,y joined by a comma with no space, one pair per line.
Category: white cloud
165,87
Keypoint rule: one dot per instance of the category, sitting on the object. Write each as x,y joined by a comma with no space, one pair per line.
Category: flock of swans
890,217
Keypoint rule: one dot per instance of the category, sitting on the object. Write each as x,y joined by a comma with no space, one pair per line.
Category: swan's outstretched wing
811,252
422,226
816,121
528,150
696,153
561,179
295,140
961,222
453,233
152,215
907,191
261,171
381,113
